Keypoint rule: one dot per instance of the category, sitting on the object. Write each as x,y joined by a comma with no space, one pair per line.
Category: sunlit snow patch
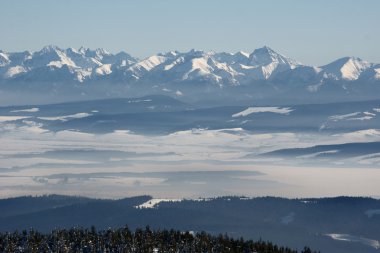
104,70
154,203
67,117
343,116
353,116
11,118
350,238
251,110
309,202
149,63
14,71
27,110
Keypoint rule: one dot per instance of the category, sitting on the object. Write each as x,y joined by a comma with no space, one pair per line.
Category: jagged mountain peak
265,49
242,53
102,51
4,59
50,49
193,66
73,50
83,50
348,59
348,68
265,56
169,54
264,63
199,53
97,54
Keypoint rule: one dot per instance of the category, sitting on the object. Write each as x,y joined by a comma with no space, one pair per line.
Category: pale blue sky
313,32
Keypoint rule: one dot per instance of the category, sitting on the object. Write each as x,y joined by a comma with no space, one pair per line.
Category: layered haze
167,148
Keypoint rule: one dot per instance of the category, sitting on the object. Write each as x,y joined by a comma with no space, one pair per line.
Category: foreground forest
329,225
124,240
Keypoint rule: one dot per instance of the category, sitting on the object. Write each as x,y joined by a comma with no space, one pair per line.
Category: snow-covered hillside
347,68
221,68
263,73
76,64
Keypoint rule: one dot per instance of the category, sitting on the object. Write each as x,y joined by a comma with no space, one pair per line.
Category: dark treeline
124,240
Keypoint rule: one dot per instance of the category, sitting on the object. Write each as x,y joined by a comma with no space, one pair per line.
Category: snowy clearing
11,118
153,203
35,109
67,117
251,110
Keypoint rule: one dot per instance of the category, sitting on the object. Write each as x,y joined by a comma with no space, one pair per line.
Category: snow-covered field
251,110
152,203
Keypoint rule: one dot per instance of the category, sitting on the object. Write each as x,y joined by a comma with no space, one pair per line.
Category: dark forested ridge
354,222
124,240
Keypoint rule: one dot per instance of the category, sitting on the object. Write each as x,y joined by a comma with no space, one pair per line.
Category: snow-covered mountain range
261,74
